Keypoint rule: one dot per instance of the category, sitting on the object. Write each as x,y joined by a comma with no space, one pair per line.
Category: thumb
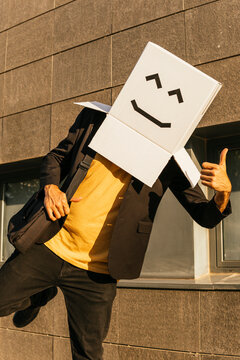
76,199
223,157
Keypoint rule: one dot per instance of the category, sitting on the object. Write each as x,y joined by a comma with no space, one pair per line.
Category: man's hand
55,202
215,177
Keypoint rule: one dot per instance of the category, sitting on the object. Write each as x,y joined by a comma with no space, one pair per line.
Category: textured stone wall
54,52
146,324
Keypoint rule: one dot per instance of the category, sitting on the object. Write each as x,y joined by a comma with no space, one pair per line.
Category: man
104,236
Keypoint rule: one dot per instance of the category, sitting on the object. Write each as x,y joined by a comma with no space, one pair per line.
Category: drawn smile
148,116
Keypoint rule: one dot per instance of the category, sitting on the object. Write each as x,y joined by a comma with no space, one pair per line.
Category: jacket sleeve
205,212
55,165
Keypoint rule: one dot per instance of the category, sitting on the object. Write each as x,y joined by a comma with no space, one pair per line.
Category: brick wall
54,52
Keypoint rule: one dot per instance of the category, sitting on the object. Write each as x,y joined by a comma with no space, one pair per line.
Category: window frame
217,263
1,219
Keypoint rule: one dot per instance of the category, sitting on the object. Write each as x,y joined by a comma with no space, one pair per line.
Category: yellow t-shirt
84,238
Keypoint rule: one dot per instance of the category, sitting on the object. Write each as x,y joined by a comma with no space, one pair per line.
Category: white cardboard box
154,115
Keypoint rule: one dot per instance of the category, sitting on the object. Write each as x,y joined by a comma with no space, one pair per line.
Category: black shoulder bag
31,224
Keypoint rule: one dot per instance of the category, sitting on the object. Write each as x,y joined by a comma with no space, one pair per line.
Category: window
181,249
227,234
18,182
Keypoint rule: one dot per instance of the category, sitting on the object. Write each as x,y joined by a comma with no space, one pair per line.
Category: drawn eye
178,93
159,86
156,78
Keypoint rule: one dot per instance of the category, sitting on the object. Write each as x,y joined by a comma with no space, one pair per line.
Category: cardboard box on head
154,115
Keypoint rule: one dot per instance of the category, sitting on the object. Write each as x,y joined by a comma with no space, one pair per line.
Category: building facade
186,303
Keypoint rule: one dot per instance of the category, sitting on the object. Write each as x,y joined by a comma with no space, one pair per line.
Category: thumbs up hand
215,177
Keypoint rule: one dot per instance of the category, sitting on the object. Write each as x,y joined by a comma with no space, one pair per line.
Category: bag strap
79,175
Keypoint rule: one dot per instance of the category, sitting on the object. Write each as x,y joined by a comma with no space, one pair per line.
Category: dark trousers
88,295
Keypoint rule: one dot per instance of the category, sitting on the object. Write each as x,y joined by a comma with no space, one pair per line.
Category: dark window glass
231,225
15,195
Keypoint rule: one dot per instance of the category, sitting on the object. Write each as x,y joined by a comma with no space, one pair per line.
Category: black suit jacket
133,226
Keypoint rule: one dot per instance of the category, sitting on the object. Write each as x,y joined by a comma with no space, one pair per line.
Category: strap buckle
85,163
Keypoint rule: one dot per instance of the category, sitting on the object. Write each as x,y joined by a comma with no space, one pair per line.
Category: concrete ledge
206,282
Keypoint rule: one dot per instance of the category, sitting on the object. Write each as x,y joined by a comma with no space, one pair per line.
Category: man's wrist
221,199
48,186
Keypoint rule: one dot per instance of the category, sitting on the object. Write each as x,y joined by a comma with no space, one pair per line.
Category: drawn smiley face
176,92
